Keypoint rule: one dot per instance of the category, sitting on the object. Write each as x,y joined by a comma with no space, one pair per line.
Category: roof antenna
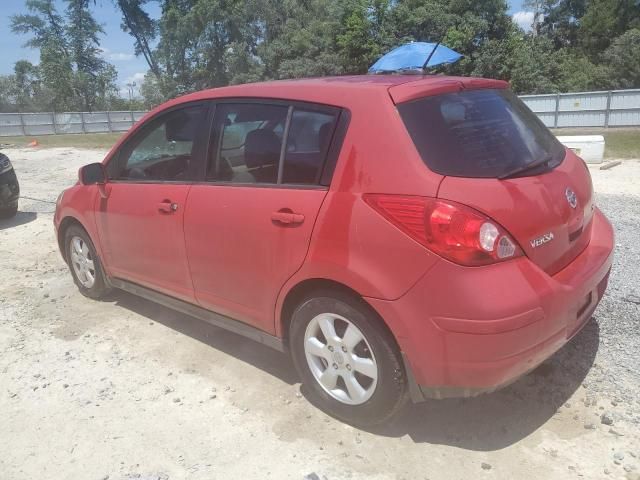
424,67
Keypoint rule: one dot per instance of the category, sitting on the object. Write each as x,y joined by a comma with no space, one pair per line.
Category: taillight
449,229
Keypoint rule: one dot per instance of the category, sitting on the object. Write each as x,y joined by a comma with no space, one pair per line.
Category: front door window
164,150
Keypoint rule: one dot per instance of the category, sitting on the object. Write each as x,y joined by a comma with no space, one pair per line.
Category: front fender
78,205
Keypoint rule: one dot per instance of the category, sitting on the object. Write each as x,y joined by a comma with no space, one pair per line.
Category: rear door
500,159
248,225
140,223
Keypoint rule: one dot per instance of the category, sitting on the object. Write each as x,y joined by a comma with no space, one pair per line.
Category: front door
248,227
141,220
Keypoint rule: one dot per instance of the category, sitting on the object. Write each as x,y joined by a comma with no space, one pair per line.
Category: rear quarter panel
351,243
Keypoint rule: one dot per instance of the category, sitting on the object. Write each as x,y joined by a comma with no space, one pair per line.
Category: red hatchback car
402,236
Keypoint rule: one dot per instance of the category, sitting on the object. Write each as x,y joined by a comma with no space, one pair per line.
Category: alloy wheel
82,262
340,358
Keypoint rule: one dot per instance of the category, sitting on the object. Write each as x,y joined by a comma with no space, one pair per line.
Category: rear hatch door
499,158
537,210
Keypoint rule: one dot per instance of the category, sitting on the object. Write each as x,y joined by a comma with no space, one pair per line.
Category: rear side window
478,133
307,144
248,143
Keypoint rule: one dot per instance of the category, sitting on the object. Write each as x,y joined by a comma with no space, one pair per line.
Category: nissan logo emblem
571,197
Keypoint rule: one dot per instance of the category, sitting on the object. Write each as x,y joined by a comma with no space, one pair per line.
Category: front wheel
84,263
347,358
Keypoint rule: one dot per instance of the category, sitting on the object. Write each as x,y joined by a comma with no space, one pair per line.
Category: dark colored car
9,188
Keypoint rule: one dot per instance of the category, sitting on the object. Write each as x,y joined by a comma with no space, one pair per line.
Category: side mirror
92,174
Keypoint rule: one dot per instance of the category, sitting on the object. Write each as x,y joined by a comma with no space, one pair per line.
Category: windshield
478,133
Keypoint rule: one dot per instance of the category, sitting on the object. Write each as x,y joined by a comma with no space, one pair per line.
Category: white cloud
121,56
137,77
523,19
116,56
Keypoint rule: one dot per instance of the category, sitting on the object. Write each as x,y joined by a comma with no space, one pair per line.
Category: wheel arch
65,223
303,288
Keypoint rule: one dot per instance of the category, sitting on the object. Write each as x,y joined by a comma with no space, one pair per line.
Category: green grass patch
622,144
618,142
102,141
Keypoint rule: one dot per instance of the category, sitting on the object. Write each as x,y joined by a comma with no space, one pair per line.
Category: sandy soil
127,389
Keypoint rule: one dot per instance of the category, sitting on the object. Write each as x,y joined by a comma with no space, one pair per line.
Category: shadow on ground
497,420
485,423
20,219
248,351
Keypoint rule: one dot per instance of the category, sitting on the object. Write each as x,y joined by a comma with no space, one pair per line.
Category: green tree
305,45
560,20
198,37
71,69
151,92
7,89
623,60
364,33
57,77
523,60
209,43
137,23
47,30
26,85
605,20
576,72
93,79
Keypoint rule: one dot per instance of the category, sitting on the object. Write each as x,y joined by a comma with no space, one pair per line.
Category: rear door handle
287,217
167,206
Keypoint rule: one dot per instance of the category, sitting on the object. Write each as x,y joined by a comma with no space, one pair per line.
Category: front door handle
167,206
287,217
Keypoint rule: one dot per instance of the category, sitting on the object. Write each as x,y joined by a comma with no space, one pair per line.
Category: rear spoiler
437,85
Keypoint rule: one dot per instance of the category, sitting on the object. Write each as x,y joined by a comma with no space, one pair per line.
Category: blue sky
118,45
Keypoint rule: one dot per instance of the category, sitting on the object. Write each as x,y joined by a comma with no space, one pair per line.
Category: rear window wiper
544,161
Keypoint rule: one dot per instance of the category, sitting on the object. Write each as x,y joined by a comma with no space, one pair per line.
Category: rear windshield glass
478,133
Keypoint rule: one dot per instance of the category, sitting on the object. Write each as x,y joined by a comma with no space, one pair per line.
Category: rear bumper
9,189
466,331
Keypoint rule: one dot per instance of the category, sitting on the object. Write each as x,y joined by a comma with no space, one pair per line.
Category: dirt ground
128,389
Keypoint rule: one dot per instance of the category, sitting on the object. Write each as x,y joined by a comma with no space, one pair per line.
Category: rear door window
247,141
307,145
478,133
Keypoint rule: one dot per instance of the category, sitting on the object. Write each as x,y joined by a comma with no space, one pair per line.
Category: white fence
69,122
616,108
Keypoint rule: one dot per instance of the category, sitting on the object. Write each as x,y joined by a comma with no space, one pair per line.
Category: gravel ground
127,389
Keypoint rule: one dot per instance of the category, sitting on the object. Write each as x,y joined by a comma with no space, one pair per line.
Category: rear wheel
84,263
347,359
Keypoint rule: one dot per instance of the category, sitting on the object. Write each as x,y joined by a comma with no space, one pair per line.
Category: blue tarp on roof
412,56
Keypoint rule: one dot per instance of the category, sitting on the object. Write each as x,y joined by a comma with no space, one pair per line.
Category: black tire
10,212
390,393
100,287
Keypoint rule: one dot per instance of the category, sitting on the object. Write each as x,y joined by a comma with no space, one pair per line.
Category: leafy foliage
71,75
574,44
196,44
623,59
